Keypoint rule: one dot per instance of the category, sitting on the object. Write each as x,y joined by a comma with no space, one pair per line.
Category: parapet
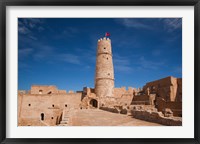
104,39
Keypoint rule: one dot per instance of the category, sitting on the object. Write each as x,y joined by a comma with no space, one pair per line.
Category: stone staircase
65,118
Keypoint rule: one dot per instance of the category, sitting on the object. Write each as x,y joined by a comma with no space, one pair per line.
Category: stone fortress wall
34,105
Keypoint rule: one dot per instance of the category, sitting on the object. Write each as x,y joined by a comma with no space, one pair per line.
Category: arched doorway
94,103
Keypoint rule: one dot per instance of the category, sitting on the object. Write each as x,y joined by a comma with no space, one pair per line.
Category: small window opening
107,58
42,116
51,117
66,105
104,48
29,104
49,92
52,105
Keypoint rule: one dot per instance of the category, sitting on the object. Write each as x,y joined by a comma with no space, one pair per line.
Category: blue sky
62,51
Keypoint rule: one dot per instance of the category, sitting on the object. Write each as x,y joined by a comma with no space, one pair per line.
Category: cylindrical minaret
104,78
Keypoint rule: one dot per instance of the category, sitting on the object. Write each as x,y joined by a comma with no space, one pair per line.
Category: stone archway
94,103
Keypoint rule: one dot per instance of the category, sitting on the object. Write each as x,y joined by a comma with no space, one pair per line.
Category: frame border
4,3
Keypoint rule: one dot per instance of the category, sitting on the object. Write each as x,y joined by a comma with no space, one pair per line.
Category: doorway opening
94,103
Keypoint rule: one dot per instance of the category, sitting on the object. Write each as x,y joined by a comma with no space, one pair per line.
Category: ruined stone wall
179,91
123,96
176,107
125,99
141,100
167,88
158,117
32,106
104,77
118,92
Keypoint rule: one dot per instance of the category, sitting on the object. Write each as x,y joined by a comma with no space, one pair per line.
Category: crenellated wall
37,89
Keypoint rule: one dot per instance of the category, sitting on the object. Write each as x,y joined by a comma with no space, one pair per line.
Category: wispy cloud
32,22
32,37
122,64
43,52
169,24
25,52
68,32
25,25
134,23
172,24
70,58
148,64
23,30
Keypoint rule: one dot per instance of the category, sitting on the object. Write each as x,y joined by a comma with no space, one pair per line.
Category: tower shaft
104,78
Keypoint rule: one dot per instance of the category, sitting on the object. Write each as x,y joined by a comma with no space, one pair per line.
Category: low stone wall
115,110
157,117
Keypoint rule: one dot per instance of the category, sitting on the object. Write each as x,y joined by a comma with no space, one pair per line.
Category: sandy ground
96,117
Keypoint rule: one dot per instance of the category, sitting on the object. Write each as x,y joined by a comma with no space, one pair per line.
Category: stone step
63,122
62,125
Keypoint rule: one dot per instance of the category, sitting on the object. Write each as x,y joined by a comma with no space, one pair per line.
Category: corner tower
104,78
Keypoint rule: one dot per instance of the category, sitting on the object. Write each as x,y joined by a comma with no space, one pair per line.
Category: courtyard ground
96,117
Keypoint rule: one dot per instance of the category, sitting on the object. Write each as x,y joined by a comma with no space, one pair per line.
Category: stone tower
104,78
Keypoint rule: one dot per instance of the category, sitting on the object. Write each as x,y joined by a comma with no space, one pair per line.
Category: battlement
104,39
